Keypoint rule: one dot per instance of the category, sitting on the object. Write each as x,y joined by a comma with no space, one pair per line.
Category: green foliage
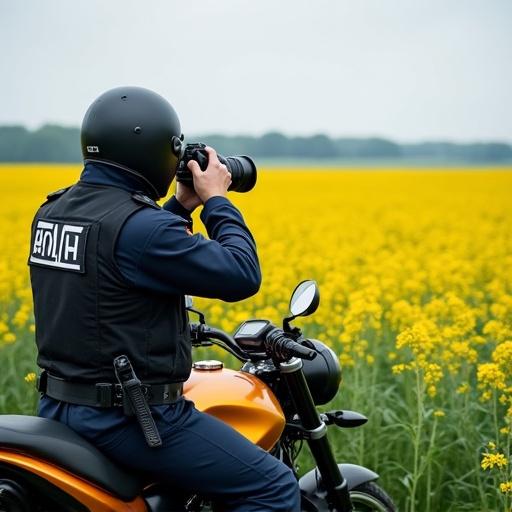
450,479
17,360
52,143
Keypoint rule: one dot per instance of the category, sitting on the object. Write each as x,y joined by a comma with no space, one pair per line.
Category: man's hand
212,182
187,197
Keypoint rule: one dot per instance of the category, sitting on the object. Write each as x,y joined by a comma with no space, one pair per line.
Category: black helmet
136,130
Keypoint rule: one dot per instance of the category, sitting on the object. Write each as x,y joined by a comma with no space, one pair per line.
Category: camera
242,169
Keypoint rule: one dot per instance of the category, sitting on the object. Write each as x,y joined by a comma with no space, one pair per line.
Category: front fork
334,483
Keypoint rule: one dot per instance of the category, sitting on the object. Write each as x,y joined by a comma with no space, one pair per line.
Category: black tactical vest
86,312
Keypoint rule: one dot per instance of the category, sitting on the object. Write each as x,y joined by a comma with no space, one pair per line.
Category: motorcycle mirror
189,301
305,298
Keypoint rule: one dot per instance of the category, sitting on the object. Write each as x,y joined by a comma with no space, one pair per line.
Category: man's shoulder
140,232
144,222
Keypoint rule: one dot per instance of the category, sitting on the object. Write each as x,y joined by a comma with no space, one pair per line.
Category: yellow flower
346,360
439,413
503,355
490,375
490,460
30,377
9,337
463,388
486,396
432,391
505,430
506,487
398,368
433,373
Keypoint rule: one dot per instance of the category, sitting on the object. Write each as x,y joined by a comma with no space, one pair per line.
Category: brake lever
202,343
198,336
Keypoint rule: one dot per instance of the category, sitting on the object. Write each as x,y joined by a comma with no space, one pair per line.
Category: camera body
242,168
194,151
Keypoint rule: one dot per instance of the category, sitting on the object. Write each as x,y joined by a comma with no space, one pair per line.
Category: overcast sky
405,69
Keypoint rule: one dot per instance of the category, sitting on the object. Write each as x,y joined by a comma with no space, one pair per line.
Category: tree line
54,143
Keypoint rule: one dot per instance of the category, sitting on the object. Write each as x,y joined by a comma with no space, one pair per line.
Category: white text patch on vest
59,244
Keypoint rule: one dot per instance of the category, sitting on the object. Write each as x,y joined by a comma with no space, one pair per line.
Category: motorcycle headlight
323,373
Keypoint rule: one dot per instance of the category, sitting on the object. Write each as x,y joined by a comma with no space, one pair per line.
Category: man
109,271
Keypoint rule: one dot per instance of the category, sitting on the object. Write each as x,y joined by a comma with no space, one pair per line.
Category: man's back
89,312
113,283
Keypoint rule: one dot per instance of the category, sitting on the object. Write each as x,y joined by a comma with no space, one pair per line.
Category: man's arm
155,252
173,205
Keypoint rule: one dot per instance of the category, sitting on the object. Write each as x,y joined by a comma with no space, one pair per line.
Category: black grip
282,348
303,352
140,407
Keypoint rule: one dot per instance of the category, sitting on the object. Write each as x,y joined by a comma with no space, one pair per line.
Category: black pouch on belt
135,400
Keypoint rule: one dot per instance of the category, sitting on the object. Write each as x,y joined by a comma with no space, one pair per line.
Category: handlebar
203,333
277,344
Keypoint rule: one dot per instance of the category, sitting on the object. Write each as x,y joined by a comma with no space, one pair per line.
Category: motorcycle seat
61,446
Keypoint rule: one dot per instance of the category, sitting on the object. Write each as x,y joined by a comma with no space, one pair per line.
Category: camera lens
243,172
242,168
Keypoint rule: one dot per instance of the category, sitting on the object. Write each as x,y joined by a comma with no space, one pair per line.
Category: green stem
431,445
357,399
372,400
507,475
417,440
495,416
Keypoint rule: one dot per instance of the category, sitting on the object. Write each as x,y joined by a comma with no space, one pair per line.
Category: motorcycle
272,400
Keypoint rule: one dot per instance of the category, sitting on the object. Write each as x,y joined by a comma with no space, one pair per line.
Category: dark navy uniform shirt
154,252
157,253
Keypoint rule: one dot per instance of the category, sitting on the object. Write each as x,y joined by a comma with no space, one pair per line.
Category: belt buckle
109,395
41,382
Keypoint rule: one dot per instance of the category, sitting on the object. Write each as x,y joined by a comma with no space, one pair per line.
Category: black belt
104,394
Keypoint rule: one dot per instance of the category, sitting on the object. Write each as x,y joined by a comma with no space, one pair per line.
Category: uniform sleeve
157,252
174,206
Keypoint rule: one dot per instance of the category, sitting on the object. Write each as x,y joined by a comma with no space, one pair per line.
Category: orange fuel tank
239,399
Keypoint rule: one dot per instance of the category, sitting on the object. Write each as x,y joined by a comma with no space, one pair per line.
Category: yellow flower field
415,275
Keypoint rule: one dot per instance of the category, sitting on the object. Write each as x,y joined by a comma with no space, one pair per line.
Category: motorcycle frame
314,430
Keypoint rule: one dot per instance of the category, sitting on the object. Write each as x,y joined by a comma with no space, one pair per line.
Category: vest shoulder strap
145,200
55,195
